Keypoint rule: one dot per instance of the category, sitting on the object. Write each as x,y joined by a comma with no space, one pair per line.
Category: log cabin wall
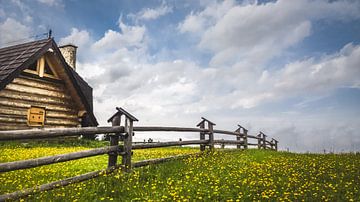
26,91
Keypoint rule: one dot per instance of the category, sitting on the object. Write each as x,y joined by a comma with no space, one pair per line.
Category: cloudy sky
288,68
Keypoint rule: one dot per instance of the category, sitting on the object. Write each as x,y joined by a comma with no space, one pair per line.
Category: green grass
232,175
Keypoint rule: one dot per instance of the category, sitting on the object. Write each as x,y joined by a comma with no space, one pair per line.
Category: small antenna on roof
49,33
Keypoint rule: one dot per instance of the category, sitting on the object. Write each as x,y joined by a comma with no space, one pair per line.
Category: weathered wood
114,141
168,144
126,159
226,132
166,128
57,132
259,144
31,163
245,138
202,135
211,135
56,184
235,142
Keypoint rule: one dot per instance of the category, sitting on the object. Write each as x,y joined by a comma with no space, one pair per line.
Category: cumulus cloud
241,38
128,36
152,13
78,37
258,32
13,31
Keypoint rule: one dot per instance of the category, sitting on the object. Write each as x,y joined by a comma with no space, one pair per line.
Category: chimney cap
63,46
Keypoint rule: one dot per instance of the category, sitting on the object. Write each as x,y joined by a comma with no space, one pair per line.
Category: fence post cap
240,127
203,120
121,111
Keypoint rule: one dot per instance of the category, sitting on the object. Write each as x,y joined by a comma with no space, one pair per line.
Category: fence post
259,140
245,138
210,133
276,145
238,136
114,140
264,141
202,135
129,119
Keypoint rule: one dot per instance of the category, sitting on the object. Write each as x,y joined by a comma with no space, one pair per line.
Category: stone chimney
69,53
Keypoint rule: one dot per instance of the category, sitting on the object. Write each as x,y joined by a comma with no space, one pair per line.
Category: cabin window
36,116
42,68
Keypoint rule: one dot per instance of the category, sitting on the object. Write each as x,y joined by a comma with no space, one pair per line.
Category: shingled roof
14,59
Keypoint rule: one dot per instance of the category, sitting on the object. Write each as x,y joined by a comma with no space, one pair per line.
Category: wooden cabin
39,88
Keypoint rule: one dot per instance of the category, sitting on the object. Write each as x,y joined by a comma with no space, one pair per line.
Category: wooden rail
206,128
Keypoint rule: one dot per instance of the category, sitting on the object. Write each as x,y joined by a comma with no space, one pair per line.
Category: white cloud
78,37
130,36
259,32
13,31
242,38
51,2
152,13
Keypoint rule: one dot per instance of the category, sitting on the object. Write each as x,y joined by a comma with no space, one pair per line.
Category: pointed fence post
210,133
114,140
129,119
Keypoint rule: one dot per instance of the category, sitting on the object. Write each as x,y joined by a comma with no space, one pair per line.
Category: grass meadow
223,175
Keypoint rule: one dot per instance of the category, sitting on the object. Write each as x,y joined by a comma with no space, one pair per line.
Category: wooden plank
202,134
31,163
168,144
114,141
27,104
126,159
166,128
39,83
57,132
17,111
34,97
235,142
37,91
226,132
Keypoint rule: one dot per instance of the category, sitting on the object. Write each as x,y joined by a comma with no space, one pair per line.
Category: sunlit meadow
224,175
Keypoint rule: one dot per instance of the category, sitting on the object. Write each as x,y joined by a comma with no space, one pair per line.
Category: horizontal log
252,144
18,111
43,84
253,137
168,144
31,163
34,97
160,160
170,129
57,132
27,104
56,184
228,142
227,132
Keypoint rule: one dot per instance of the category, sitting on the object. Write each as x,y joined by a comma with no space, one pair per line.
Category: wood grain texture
24,92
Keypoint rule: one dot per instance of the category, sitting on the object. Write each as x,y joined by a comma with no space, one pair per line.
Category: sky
290,69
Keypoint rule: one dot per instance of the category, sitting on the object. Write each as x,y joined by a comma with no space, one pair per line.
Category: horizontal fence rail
56,132
125,131
31,163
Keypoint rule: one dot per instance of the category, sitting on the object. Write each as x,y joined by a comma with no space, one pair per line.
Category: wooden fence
124,133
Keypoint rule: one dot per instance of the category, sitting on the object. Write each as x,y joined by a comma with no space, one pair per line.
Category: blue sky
288,68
